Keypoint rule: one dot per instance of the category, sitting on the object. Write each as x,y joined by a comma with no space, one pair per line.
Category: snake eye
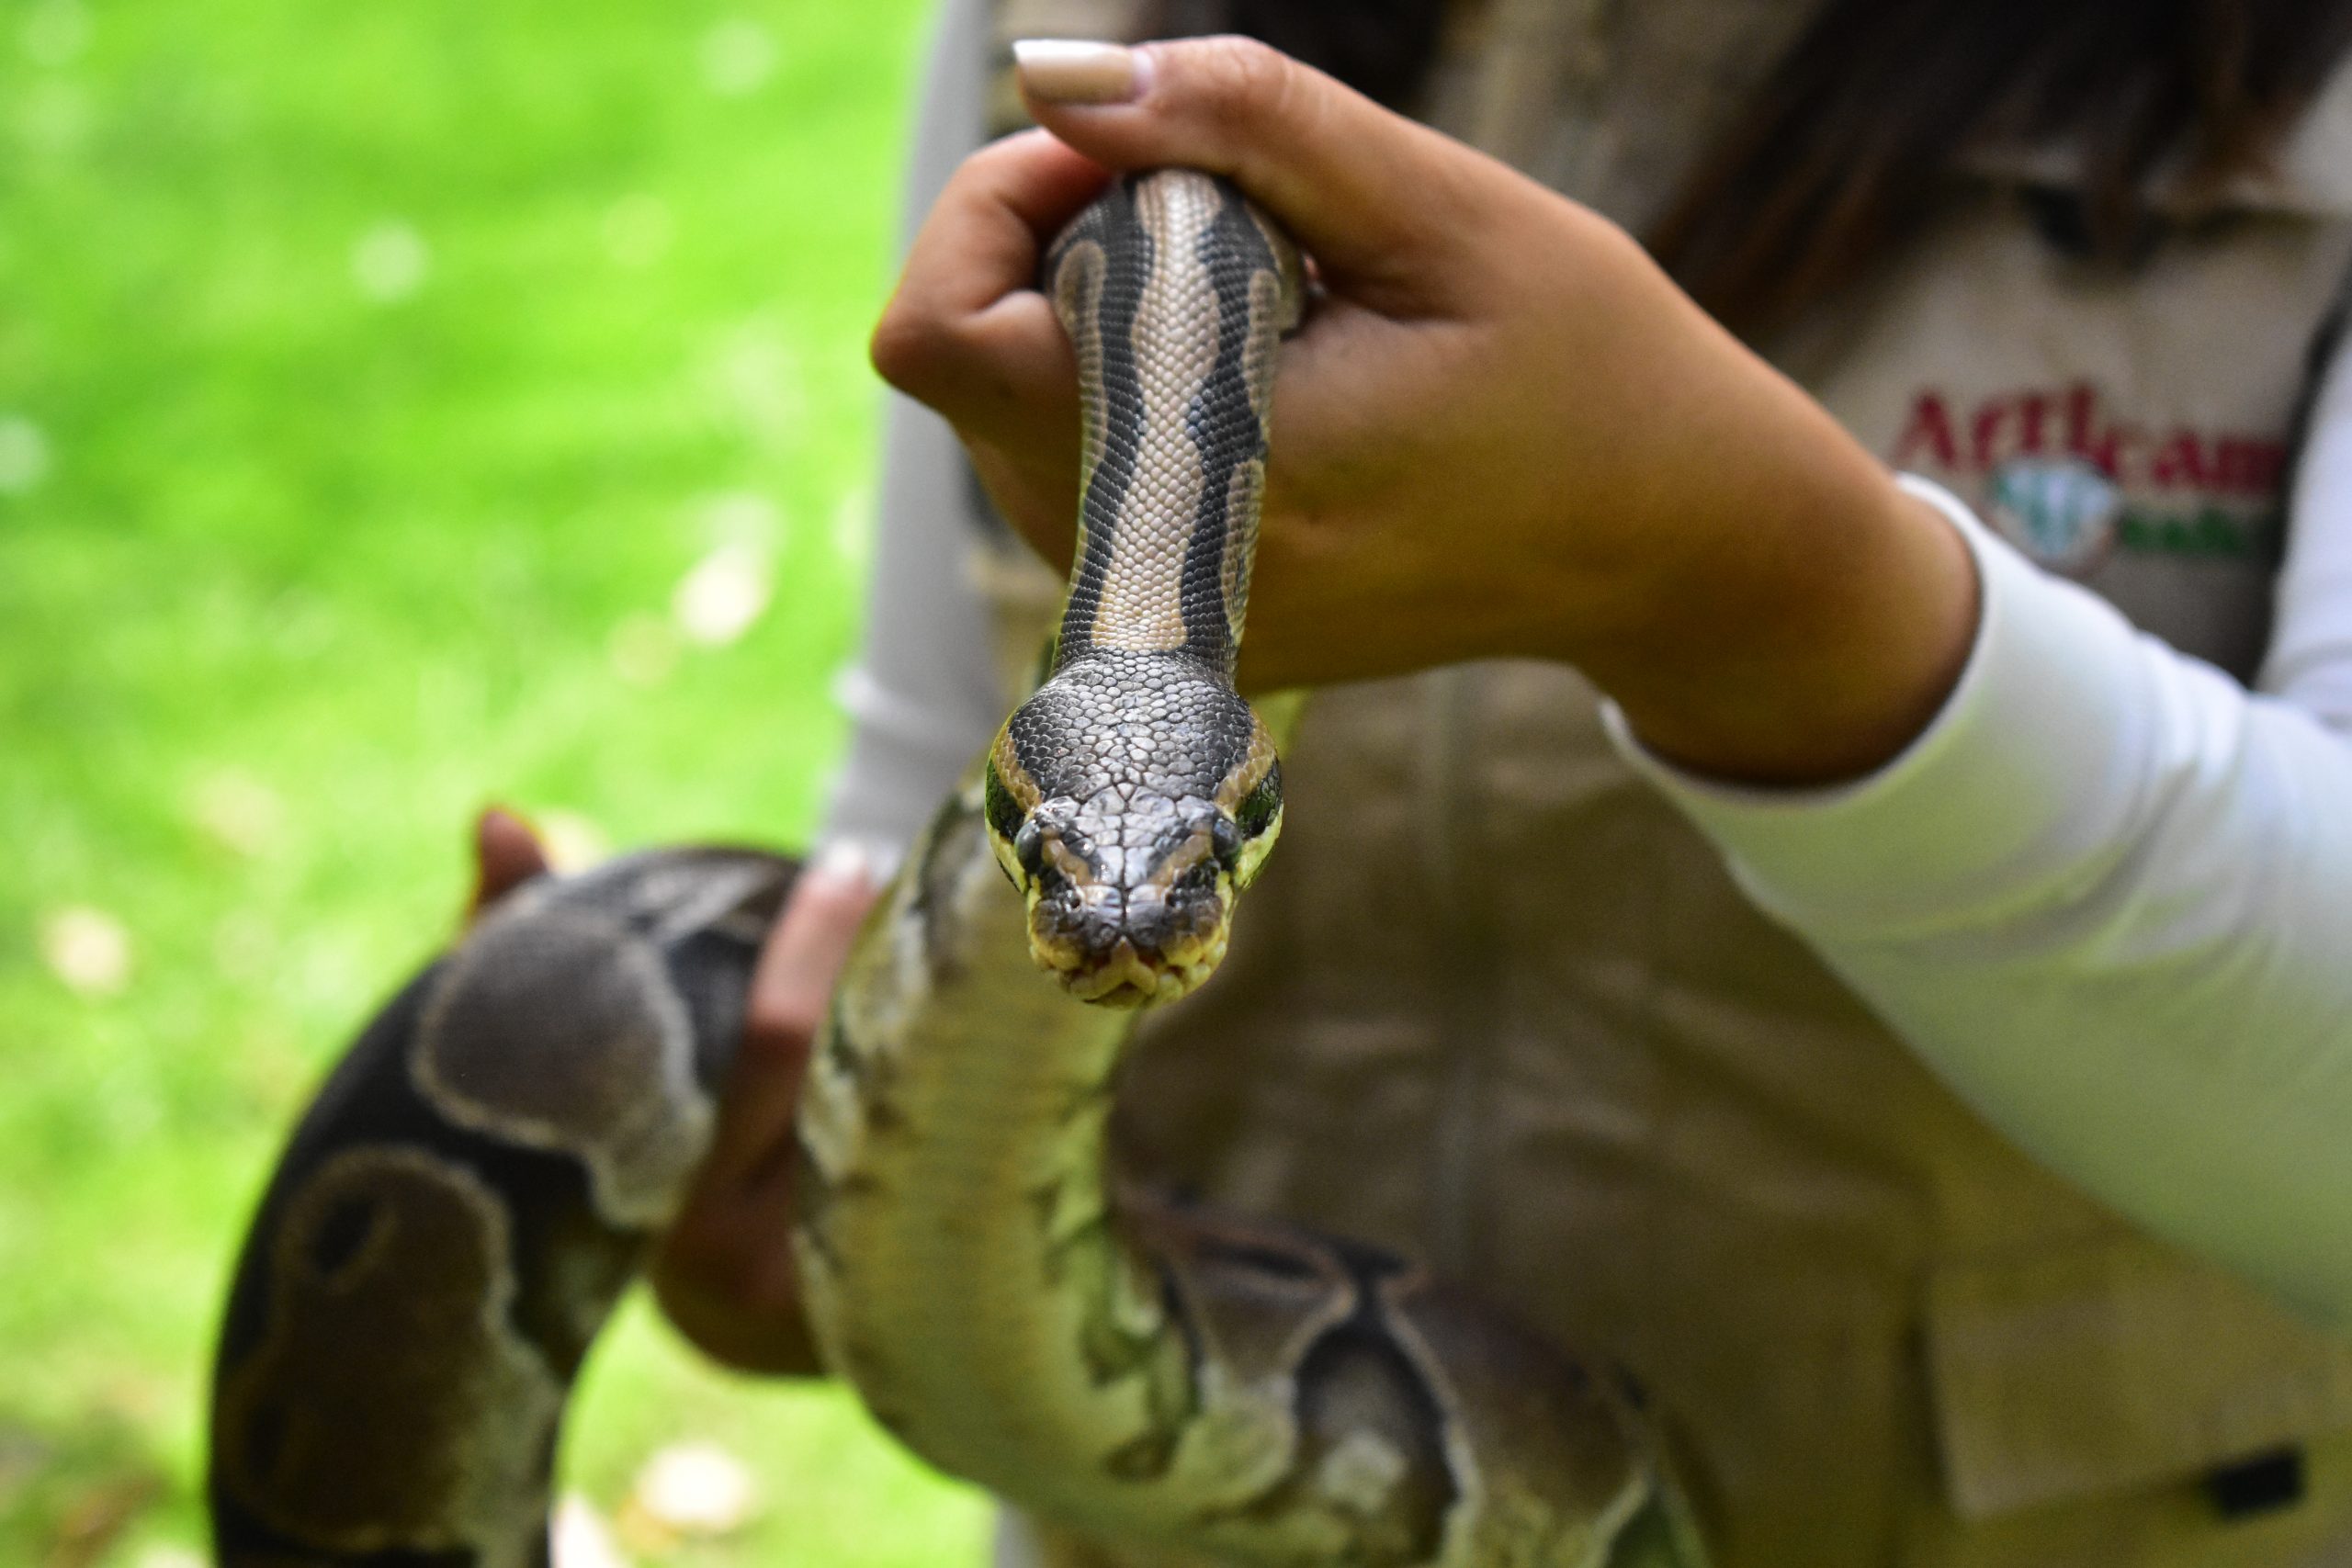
1004,813
1226,839
1258,809
1029,847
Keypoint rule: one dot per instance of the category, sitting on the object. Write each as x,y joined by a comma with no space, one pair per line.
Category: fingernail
1080,71
843,859
866,864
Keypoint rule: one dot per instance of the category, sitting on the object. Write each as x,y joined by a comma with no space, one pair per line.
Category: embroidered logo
2069,482
2060,510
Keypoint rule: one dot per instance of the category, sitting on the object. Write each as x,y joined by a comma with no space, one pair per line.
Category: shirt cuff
2019,784
902,757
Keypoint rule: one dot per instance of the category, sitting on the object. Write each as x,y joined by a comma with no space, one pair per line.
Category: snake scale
483,1175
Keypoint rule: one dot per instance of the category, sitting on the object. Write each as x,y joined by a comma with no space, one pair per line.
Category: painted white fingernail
867,863
843,859
1081,71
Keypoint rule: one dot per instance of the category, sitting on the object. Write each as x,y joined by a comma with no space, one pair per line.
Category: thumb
791,986
1371,195
506,854
793,982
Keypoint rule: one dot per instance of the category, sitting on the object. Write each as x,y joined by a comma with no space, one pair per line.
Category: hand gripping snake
483,1175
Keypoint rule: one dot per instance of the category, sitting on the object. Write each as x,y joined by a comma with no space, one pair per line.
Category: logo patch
2074,482
2061,511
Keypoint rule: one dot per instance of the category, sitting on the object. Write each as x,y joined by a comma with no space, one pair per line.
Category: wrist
1805,636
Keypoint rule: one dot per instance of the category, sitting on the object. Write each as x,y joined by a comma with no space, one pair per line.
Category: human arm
921,695
921,699
2105,893
1501,431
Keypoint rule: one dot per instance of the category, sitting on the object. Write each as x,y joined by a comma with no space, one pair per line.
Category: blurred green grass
401,408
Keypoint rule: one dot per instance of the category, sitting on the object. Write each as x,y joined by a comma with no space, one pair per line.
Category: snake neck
957,1228
1134,1370
1175,294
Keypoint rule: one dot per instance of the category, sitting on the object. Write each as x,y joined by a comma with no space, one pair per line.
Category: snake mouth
1125,977
1129,900
1132,948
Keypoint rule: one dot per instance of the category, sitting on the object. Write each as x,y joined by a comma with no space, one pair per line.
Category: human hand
1502,431
724,1269
506,856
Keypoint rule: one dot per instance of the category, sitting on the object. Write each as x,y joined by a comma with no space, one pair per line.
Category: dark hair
1381,48
1837,158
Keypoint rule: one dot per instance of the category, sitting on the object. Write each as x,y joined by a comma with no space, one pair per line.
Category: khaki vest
1493,1004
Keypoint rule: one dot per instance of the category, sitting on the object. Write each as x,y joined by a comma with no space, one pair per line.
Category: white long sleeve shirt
2107,895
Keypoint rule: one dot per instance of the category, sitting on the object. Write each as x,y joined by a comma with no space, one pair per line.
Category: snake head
1130,813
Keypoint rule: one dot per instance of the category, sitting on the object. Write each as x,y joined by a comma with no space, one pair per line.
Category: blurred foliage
401,408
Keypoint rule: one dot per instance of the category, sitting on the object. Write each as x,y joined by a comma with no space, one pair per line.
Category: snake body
461,1205
465,1199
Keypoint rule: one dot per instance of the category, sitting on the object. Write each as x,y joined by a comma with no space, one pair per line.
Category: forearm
920,697
1793,615
2109,896
722,1271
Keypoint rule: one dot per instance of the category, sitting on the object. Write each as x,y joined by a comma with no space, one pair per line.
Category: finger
1327,161
805,953
506,854
966,330
790,988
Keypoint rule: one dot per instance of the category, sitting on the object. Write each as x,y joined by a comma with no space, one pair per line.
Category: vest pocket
2113,1364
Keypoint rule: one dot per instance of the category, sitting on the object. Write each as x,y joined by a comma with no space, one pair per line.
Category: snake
480,1177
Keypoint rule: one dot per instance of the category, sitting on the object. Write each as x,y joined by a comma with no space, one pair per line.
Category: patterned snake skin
459,1209
480,1177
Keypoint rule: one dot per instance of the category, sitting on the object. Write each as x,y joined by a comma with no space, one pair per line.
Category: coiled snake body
477,1182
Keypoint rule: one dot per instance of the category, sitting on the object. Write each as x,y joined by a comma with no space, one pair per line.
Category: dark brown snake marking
480,1178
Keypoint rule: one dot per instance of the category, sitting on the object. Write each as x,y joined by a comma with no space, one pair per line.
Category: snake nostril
1101,938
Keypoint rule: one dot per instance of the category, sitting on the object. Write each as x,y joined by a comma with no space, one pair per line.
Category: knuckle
941,360
1242,79
907,348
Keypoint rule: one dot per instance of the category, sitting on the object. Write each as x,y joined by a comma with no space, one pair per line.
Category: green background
401,407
